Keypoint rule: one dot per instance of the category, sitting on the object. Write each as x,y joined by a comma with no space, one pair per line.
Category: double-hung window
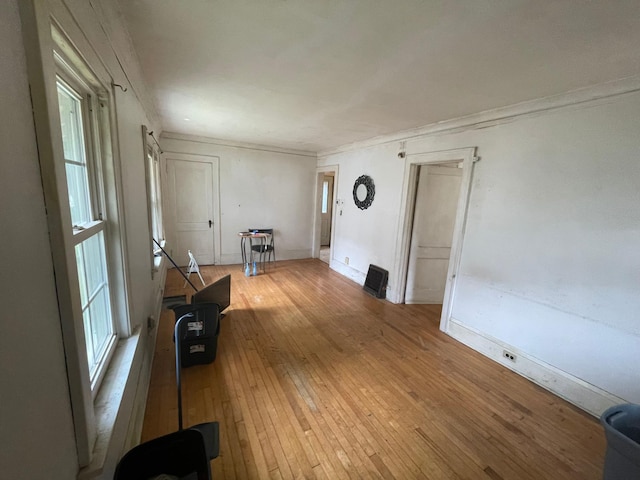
154,198
82,142
73,99
153,160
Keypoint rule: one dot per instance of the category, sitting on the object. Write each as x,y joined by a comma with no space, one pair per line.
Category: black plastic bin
622,429
199,333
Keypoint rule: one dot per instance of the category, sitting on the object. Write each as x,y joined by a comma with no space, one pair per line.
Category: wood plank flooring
316,379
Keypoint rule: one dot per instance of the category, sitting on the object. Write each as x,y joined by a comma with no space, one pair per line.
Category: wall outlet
346,260
509,356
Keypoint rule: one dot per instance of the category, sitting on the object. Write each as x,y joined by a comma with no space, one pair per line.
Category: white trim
317,216
153,185
148,187
231,143
117,231
407,207
113,405
348,271
580,96
582,394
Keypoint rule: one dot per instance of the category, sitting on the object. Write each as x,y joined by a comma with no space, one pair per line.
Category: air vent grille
376,282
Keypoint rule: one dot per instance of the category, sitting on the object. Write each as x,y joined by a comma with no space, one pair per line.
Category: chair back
181,454
268,231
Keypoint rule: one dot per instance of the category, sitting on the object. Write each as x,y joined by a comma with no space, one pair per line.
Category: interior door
191,197
327,209
433,224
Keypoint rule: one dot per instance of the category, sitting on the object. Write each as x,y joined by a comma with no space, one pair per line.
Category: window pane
325,196
78,190
94,263
71,122
100,322
74,154
155,202
82,276
94,290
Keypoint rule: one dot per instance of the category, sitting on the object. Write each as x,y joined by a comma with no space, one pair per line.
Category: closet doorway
434,213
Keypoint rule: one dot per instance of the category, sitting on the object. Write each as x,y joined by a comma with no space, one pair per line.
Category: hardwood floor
316,379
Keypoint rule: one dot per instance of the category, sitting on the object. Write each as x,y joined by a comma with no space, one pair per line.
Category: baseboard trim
584,395
349,272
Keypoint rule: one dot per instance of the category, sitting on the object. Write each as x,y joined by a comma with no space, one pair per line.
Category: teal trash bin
622,429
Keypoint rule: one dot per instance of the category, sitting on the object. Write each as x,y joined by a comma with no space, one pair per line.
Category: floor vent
376,282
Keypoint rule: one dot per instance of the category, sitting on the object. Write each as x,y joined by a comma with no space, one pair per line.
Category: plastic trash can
622,429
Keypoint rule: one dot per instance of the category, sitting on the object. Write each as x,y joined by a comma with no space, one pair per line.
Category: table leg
243,249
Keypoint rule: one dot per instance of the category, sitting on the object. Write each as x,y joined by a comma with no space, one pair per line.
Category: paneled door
190,185
433,224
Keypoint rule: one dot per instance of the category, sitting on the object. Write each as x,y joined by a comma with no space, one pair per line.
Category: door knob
210,223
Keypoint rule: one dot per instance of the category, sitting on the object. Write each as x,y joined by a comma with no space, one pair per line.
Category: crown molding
232,144
486,118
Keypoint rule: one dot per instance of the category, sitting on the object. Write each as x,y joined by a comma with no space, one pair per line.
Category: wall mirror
363,192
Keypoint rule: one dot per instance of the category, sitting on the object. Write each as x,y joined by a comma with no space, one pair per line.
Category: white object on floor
193,268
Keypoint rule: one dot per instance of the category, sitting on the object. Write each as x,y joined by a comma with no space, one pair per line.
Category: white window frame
152,164
74,85
51,54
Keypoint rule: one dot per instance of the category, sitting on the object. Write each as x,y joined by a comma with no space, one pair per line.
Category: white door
433,224
326,210
191,208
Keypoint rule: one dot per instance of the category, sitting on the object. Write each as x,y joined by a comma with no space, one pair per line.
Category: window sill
113,407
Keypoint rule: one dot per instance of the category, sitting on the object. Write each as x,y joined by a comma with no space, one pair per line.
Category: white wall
259,188
366,236
550,264
36,430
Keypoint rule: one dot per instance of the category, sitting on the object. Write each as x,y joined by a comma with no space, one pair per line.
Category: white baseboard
349,272
572,389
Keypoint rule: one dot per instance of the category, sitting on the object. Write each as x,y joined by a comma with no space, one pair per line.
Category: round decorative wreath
367,181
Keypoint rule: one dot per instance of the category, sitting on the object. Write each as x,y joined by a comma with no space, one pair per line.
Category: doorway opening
325,201
434,212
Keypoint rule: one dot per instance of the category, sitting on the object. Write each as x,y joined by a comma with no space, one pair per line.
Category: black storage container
198,333
622,428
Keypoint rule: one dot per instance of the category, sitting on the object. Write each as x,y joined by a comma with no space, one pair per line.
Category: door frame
317,215
407,209
215,195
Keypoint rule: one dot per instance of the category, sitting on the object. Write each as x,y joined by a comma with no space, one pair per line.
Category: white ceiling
317,74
